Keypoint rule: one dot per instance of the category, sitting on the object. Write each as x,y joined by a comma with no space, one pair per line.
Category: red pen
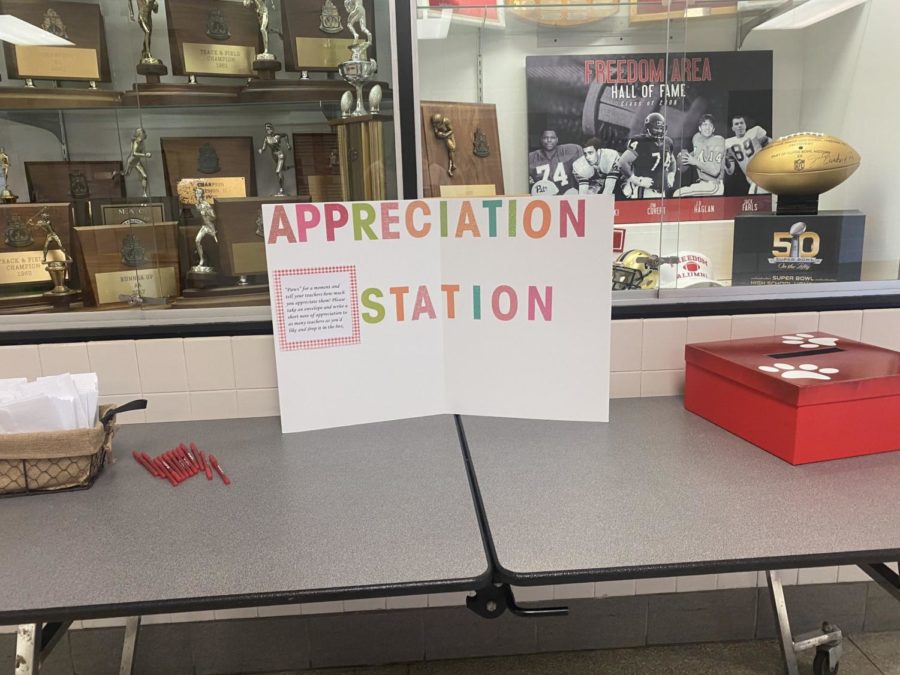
175,464
215,464
198,455
153,467
185,460
207,469
192,457
183,452
167,471
140,460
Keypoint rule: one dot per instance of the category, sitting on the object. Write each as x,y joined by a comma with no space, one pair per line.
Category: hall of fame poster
669,136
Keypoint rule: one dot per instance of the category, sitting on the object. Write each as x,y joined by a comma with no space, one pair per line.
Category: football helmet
655,126
545,187
635,269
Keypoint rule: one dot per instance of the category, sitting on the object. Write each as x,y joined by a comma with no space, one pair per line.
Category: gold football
803,164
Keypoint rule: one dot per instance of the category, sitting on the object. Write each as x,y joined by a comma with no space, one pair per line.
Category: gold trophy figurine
6,195
276,143
149,65
207,229
136,159
56,261
444,130
265,64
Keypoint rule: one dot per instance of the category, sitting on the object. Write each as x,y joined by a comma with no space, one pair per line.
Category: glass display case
141,138
691,114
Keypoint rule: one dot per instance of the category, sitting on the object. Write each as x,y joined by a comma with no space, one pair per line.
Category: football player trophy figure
277,143
55,260
443,129
6,196
265,64
149,66
360,68
207,229
135,161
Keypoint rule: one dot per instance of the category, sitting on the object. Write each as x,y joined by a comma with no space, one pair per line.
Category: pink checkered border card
291,345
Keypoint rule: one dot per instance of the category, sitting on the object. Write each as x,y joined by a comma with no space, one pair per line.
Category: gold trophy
207,229
149,66
136,159
56,261
266,65
360,68
6,196
277,144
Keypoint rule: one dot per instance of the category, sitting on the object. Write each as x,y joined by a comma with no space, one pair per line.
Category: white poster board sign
396,309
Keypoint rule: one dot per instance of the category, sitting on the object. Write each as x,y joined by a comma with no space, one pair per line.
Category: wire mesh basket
54,461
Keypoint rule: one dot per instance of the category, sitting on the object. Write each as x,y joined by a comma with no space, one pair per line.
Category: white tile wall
663,344
214,405
279,610
533,593
64,358
882,327
625,385
817,575
573,591
322,607
653,586
20,361
708,329
799,322
752,325
168,407
662,382
364,605
609,589
210,364
407,602
257,402
254,362
845,324
625,345
161,365
115,363
700,582
736,580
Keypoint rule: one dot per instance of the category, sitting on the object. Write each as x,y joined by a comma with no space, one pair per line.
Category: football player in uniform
597,172
708,157
742,146
552,166
648,165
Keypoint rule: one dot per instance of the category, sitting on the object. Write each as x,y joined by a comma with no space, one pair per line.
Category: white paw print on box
807,341
805,371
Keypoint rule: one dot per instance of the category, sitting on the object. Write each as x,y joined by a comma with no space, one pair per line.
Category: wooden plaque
307,43
211,159
475,129
67,181
242,249
128,260
22,243
675,10
317,160
78,22
218,38
135,211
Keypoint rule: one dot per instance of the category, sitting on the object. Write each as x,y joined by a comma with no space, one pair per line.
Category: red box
805,398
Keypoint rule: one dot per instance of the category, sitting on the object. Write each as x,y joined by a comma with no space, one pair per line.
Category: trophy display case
743,167
137,145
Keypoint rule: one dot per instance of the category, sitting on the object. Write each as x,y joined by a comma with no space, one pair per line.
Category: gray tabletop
660,491
360,511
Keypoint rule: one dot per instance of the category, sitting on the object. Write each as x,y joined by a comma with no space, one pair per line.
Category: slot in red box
807,397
